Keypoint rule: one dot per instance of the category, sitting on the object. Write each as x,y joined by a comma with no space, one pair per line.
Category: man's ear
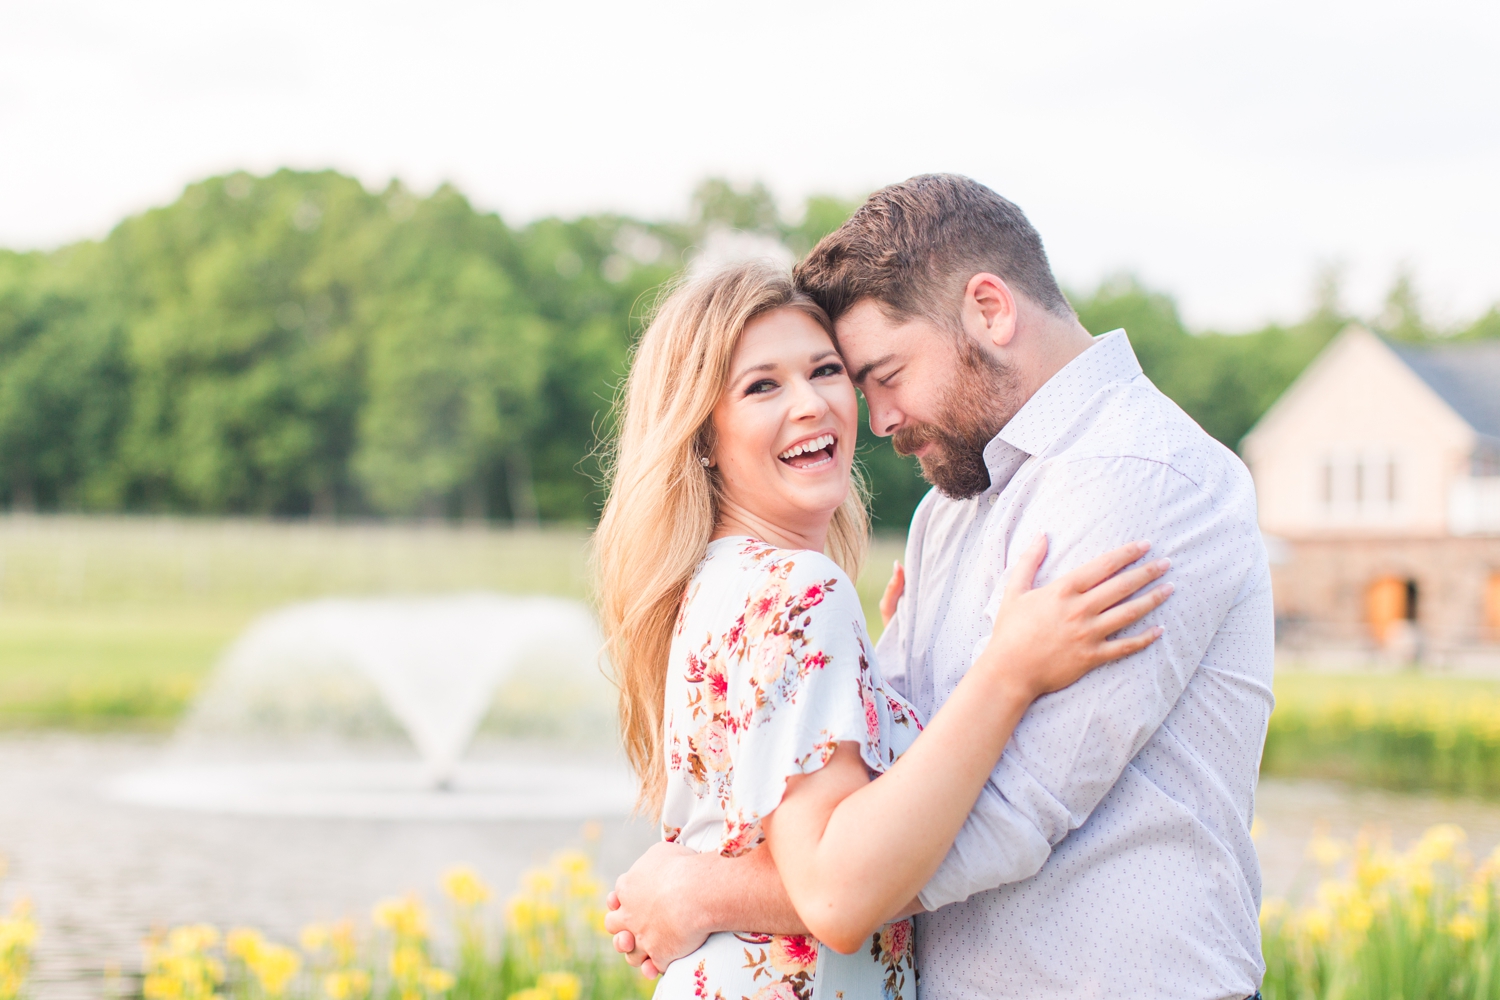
989,309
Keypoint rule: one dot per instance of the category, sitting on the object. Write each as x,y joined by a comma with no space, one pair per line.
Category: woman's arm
854,852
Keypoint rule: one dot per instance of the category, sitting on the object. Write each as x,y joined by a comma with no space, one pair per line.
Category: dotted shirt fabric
1109,855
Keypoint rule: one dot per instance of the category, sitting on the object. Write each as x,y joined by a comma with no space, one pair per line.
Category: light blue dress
771,668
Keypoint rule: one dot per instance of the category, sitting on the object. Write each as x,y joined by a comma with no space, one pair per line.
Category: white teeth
816,444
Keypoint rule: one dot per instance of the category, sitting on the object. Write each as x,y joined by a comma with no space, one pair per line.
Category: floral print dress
771,668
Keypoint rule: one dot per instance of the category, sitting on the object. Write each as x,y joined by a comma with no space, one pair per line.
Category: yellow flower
315,937
1271,912
1315,925
1325,850
1257,828
438,980
560,985
1374,864
1463,927
341,936
521,913
531,994
1439,843
407,962
275,966
464,886
574,863
244,943
193,937
159,987
348,984
404,917
539,882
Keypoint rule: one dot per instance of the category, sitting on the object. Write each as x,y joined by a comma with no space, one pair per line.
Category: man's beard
977,402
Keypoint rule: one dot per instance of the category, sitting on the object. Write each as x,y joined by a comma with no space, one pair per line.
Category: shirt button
994,497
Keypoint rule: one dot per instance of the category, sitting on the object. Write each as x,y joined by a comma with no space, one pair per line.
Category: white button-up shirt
1109,854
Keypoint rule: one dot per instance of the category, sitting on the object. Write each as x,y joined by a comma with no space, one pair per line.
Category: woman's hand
1048,638
892,594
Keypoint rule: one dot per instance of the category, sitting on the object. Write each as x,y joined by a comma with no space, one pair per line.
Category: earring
703,461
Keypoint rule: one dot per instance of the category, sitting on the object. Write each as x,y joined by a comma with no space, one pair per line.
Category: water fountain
299,715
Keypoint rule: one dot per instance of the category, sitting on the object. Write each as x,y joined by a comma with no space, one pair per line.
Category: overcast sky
1223,151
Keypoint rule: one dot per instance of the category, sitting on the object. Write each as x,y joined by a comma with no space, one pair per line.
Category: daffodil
1463,927
560,985
465,887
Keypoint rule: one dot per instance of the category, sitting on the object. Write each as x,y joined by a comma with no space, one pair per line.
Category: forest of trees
295,345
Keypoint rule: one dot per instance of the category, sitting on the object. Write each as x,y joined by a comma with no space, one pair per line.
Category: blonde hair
663,503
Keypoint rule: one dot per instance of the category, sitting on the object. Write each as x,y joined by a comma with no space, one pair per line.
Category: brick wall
1322,586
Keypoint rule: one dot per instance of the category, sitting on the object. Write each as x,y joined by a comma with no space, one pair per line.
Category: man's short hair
913,246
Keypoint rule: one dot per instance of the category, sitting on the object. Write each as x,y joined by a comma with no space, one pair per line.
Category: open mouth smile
813,453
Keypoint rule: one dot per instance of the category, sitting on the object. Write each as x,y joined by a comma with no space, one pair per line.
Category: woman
751,707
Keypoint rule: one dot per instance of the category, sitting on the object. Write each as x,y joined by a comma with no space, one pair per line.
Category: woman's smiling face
784,429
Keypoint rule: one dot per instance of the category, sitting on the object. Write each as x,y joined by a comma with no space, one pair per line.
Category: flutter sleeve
800,683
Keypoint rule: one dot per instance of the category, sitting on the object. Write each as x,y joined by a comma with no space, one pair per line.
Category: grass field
113,622
1401,731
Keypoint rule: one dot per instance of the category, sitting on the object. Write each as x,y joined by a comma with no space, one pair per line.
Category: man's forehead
866,329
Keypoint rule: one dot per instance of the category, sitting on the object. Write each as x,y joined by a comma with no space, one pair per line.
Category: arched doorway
1390,603
1492,607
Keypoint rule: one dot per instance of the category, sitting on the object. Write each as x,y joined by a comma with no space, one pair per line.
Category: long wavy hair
663,503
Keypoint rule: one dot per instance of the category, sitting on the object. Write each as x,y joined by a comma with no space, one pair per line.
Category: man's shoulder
1136,426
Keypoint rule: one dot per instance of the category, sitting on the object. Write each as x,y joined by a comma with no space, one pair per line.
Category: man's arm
673,898
1072,746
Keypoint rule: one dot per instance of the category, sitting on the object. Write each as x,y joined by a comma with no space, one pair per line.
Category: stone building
1378,478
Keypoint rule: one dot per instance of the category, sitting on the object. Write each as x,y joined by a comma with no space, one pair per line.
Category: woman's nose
808,402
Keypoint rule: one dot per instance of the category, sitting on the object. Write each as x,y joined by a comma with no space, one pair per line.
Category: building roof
1467,376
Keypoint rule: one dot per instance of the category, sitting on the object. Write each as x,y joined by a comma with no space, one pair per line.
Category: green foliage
1406,733
295,344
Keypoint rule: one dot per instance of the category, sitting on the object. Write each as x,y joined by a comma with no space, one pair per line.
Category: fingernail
1167,588
1143,546
1159,631
1163,564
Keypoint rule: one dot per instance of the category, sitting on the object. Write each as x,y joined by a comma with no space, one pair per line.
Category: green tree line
296,345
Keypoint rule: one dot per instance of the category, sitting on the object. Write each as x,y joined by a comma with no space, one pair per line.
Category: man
1109,855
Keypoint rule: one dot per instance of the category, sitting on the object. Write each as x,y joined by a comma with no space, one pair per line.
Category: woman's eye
764,385
824,371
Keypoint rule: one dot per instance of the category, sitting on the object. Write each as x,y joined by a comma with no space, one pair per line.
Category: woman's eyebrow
767,366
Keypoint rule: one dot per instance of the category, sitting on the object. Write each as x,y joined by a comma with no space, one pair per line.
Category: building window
1360,486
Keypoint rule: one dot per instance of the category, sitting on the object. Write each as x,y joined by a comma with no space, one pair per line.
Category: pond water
103,872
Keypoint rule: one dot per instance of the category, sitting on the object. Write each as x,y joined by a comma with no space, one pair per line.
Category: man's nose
884,420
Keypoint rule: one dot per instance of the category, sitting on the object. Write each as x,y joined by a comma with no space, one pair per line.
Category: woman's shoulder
799,572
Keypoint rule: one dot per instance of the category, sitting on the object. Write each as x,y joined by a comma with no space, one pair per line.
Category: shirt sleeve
800,684
1072,746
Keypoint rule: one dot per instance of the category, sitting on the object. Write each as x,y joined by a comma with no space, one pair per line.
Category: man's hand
652,913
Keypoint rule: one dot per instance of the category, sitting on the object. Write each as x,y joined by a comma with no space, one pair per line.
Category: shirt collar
1054,406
